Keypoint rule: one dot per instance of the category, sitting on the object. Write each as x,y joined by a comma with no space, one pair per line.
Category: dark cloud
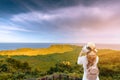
8,7
57,19
70,19
17,6
14,6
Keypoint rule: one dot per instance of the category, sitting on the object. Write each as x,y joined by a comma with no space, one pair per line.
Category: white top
83,60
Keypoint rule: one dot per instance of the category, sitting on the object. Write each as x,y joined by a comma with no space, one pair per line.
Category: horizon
14,46
63,21
62,43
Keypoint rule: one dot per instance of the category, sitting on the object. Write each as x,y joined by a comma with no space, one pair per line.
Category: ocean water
12,46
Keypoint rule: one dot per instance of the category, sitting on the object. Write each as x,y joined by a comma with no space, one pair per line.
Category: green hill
38,51
109,63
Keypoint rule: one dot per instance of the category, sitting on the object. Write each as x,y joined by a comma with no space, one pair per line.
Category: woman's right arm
80,54
80,58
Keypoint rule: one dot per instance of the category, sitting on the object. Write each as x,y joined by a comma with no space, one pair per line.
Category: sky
60,21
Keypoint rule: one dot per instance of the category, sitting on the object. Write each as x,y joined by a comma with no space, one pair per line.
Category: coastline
14,46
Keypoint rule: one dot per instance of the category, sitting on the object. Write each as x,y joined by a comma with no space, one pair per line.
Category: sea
12,46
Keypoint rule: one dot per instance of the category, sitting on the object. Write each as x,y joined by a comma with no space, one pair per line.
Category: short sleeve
80,60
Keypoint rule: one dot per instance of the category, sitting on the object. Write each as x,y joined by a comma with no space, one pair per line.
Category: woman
89,60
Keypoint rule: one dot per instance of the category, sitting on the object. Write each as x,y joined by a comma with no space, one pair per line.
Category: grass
109,60
38,51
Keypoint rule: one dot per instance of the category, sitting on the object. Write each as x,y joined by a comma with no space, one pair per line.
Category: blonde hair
91,58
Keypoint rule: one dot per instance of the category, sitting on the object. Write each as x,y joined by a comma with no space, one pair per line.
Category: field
55,59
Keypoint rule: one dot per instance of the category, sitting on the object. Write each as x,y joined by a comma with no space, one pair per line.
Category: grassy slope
44,62
44,58
109,60
38,51
107,57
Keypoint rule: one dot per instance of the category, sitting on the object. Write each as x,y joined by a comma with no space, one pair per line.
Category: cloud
79,18
10,28
88,20
10,33
33,16
71,16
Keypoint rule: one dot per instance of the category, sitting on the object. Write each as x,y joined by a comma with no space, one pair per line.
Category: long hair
91,58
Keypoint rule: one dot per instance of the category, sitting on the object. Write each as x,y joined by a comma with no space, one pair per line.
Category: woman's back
89,61
83,60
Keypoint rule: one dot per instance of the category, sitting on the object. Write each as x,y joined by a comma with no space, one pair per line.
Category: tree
64,66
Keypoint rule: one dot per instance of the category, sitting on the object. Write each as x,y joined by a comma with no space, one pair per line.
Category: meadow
29,63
